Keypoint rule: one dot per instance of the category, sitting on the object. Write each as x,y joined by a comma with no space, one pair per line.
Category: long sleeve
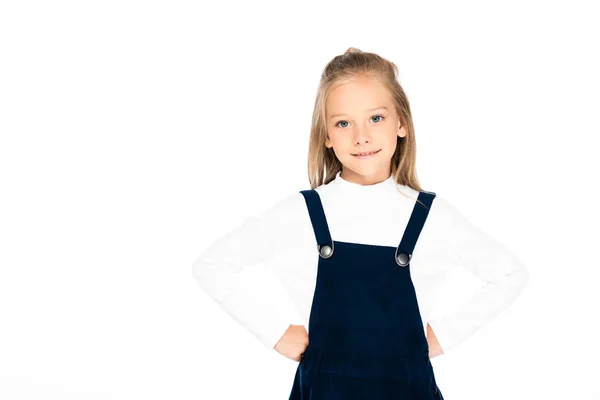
233,272
504,275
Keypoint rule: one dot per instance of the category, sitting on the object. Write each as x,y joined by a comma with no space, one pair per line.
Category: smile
366,155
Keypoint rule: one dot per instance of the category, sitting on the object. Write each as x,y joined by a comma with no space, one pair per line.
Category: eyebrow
371,109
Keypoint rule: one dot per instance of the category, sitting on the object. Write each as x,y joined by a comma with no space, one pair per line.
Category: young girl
360,256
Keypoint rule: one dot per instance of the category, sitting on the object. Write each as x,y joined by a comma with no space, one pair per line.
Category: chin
365,171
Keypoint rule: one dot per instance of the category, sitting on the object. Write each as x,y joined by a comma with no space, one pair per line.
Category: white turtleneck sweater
263,273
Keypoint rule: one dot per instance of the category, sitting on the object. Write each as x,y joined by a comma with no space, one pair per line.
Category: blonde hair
323,165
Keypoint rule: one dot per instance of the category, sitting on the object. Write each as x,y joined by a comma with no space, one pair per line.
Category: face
361,117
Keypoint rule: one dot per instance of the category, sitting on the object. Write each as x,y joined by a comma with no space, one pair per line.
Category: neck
364,180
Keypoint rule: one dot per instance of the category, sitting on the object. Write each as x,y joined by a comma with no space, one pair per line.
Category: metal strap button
326,251
403,259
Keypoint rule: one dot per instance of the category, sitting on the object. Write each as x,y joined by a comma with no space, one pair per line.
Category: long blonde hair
323,165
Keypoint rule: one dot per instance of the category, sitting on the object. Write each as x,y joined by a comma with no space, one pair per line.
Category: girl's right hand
293,342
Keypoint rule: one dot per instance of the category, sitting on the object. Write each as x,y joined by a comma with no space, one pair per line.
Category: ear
328,142
401,129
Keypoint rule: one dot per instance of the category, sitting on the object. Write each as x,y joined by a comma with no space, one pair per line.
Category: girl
361,255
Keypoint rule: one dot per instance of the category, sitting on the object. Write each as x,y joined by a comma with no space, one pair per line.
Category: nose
361,134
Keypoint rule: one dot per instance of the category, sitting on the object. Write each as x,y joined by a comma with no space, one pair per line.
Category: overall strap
413,228
319,222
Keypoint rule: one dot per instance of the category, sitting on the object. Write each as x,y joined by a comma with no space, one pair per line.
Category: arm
232,271
504,275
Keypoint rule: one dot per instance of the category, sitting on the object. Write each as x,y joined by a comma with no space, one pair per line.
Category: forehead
356,95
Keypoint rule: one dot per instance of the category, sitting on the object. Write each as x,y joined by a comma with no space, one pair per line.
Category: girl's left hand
434,346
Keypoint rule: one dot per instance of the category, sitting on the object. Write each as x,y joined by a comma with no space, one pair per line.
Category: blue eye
374,116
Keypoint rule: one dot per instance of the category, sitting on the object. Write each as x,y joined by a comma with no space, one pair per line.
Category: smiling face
361,117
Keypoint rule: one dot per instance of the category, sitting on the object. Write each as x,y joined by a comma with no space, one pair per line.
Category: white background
133,134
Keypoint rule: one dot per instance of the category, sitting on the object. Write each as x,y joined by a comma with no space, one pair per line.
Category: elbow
515,280
200,268
208,279
520,277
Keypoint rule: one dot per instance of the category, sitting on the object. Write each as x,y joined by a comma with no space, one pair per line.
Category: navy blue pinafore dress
366,336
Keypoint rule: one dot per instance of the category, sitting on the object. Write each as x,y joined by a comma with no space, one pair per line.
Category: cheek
392,143
340,142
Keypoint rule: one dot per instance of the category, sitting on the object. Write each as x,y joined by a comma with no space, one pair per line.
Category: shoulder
441,207
286,221
441,213
287,208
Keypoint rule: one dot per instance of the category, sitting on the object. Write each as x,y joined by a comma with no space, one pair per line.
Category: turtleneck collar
387,185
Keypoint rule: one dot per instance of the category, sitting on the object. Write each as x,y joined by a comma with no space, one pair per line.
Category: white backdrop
133,134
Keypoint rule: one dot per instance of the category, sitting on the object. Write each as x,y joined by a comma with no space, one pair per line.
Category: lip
368,156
